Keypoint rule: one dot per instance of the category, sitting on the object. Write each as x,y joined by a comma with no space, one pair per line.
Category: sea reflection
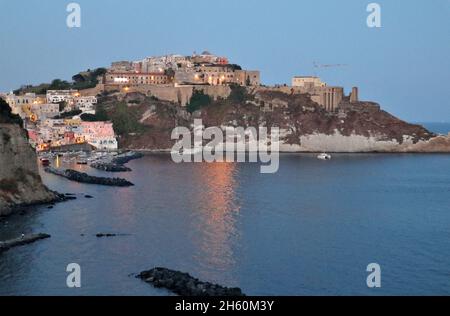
216,221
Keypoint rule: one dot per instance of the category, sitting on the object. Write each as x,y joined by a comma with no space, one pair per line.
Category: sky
404,65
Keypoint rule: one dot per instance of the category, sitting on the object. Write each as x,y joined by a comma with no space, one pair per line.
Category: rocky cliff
20,183
305,126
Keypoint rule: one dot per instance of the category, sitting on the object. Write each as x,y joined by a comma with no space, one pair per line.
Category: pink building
99,134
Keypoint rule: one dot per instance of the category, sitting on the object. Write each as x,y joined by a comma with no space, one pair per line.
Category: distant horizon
403,65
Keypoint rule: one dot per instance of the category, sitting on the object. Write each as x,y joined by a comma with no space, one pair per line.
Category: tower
354,95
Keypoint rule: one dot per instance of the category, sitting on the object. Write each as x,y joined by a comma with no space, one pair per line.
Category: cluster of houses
171,78
179,70
48,127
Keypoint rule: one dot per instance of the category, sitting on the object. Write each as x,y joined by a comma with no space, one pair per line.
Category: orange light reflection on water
218,209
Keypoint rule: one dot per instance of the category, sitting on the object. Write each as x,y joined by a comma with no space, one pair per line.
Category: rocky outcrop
20,241
20,182
305,125
185,285
85,178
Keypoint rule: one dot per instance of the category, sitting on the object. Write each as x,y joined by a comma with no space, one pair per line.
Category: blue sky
405,65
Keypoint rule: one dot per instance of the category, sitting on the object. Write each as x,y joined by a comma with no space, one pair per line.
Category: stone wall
177,94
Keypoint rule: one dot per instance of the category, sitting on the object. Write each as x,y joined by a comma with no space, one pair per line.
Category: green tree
198,100
238,94
126,120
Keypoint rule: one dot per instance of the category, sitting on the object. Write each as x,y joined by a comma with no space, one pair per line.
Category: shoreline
23,208
168,151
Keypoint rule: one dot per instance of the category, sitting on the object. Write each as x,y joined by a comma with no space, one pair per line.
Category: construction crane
326,66
316,65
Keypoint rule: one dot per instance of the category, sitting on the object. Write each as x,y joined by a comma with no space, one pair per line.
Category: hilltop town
135,104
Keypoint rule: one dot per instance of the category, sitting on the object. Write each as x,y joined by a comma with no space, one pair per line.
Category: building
26,105
178,70
86,104
247,77
328,97
122,66
43,111
98,134
214,74
136,78
57,96
307,82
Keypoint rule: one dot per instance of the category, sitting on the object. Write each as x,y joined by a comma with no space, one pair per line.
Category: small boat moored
324,156
45,162
82,162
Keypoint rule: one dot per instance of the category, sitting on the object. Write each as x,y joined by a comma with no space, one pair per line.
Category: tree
198,100
62,106
238,94
248,83
100,115
126,120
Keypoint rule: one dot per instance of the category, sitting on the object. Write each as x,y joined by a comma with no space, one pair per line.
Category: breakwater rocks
117,163
110,167
126,157
85,178
107,235
185,285
23,240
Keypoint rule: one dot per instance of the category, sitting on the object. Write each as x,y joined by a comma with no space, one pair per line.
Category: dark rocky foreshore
185,285
85,178
23,240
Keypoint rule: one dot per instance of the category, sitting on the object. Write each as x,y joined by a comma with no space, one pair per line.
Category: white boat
324,156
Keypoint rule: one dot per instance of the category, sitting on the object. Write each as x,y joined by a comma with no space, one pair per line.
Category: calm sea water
310,229
439,128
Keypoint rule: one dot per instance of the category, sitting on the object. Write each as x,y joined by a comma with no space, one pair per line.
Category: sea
312,228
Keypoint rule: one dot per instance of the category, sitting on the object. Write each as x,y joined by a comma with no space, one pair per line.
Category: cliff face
305,126
20,183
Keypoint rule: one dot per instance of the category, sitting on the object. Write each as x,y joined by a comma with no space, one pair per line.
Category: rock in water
110,167
23,240
85,178
185,285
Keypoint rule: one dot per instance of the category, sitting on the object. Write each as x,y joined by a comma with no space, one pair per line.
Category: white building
86,104
56,96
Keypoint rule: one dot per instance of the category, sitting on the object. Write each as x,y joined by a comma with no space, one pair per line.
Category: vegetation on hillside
198,100
68,114
126,119
81,81
100,115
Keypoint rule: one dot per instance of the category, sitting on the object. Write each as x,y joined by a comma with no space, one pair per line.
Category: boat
45,162
82,162
324,156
